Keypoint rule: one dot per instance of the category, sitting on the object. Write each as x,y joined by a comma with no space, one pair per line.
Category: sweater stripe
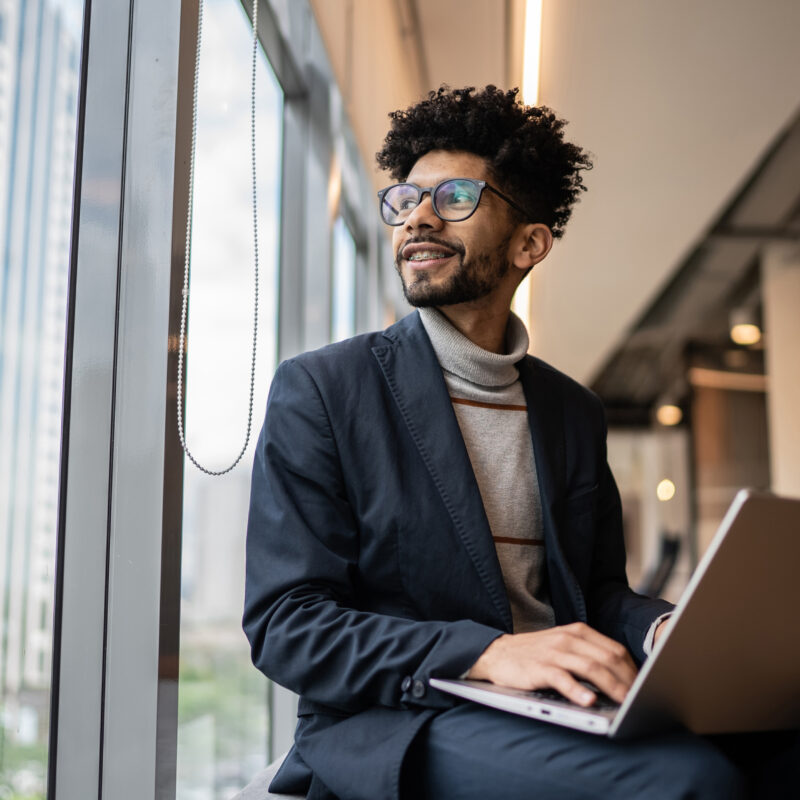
516,540
496,406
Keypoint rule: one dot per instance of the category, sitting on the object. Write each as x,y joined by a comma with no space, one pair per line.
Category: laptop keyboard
602,703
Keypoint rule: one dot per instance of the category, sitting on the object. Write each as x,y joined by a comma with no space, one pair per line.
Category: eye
402,198
457,195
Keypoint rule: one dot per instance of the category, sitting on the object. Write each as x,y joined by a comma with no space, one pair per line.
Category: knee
705,774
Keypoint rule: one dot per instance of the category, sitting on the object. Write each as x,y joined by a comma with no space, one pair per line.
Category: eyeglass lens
452,200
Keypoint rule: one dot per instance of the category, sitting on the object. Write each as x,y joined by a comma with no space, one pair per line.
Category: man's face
445,263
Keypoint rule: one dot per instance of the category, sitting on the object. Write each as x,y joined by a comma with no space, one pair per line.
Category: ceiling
688,322
679,102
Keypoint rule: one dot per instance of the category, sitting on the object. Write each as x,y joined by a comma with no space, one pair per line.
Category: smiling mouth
424,255
428,255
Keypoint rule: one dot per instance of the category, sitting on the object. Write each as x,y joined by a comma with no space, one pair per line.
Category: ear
530,244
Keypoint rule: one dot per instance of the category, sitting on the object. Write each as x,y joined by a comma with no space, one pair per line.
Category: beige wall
780,275
386,54
367,50
677,100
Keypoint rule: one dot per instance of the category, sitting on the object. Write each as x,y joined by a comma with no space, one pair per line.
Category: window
223,716
110,509
343,289
39,47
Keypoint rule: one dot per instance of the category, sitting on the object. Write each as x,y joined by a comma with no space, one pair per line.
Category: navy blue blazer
370,562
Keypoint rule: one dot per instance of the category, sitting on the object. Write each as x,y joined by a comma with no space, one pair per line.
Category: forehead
437,165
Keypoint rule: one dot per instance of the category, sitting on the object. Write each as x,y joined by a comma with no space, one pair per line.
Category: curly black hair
524,146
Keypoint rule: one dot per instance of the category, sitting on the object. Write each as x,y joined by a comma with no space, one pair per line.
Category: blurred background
675,295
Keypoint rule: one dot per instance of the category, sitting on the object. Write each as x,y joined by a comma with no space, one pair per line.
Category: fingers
559,658
597,673
584,632
563,682
602,661
582,639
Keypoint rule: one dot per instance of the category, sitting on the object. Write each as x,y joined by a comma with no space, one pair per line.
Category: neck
485,327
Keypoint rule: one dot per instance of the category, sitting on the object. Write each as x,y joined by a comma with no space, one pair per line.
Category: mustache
429,239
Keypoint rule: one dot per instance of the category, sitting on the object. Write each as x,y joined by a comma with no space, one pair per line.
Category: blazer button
418,689
406,684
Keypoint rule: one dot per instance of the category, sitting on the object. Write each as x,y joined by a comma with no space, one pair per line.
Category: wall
676,100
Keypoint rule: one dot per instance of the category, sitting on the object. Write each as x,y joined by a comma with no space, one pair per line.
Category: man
430,501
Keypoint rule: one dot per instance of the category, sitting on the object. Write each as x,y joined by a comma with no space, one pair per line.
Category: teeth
426,255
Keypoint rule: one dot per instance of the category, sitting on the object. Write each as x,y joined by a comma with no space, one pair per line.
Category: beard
471,279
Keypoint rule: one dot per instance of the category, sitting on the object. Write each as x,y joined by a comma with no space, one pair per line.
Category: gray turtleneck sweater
490,406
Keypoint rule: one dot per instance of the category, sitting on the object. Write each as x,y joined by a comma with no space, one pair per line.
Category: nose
423,216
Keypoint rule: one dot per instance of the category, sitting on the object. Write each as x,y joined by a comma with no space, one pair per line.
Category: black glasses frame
431,190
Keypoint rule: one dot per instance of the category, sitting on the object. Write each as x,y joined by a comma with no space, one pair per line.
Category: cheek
396,241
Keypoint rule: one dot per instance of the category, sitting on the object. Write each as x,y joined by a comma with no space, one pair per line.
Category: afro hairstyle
523,145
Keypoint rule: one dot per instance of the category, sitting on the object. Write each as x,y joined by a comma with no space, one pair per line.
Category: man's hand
557,658
662,626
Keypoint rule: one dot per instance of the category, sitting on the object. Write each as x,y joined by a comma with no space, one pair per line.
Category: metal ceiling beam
756,233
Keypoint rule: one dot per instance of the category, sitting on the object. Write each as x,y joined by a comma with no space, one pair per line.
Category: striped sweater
489,404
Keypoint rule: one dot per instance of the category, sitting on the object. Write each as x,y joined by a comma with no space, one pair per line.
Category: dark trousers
476,753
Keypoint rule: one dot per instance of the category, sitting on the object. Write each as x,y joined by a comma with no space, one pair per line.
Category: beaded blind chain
188,247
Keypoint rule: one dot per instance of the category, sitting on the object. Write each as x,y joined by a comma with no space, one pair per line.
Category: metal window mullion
106,667
137,496
87,429
317,218
292,244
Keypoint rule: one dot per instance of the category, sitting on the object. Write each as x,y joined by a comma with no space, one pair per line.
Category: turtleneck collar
462,357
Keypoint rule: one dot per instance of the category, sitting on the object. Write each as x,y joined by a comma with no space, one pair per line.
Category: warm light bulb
746,333
669,414
665,490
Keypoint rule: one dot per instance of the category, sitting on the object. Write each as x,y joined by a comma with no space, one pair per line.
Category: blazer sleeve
614,608
301,613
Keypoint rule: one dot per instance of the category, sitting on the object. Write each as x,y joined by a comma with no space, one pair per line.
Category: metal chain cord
188,247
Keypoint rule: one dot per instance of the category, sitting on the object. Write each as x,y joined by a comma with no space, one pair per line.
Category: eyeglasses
453,200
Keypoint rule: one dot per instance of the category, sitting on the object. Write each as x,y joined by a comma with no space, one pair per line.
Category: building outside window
39,73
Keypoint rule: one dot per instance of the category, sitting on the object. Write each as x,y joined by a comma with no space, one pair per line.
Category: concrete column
780,276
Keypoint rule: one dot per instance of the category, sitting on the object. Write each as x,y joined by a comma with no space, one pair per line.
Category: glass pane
39,71
223,714
343,313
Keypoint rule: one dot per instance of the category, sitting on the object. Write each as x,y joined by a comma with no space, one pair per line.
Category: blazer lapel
415,380
546,420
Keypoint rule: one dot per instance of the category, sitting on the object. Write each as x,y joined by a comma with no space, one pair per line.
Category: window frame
117,597
105,687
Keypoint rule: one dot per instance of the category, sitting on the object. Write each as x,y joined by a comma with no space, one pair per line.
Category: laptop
729,660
